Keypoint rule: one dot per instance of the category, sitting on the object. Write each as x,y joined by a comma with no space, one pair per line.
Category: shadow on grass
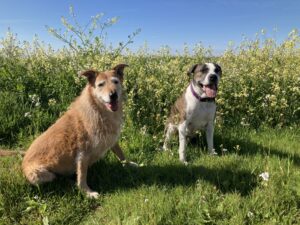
106,177
248,147
109,177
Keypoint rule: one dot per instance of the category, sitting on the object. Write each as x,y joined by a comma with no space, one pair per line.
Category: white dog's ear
119,69
89,74
218,69
192,69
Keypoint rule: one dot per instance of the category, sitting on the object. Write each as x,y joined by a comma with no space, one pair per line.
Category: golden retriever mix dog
82,135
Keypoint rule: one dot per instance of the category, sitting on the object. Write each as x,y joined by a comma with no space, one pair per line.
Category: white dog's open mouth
113,106
210,90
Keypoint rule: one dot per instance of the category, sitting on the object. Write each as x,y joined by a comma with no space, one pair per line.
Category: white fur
212,68
105,96
199,115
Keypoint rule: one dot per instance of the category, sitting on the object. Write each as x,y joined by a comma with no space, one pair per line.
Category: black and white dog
196,107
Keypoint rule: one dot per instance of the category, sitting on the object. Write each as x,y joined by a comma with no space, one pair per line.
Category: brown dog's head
206,76
106,86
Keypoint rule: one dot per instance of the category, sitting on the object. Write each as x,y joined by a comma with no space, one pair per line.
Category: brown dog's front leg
82,168
116,149
118,152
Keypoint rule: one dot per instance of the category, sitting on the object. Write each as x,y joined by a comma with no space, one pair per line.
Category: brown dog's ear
89,74
119,69
192,69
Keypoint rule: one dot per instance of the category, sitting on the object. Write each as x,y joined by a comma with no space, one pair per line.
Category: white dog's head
206,76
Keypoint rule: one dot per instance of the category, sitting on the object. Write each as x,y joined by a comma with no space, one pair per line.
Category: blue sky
164,22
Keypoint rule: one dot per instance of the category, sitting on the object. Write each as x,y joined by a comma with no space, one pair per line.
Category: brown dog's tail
10,153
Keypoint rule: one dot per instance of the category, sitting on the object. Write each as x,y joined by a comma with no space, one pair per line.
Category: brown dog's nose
113,95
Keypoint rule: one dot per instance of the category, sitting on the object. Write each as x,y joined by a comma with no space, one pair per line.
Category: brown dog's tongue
113,106
210,90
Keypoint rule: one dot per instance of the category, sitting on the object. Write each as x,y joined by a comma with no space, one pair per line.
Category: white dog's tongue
210,90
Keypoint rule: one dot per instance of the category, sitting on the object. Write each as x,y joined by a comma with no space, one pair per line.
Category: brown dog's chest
103,137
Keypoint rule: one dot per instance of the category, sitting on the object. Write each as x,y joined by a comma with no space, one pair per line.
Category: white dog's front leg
182,130
210,138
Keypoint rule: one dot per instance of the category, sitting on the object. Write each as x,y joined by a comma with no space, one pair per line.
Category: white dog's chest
199,115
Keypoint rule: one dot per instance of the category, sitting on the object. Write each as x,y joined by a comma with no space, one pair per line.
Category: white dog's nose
213,78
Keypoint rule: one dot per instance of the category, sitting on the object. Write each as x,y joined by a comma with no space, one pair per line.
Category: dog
196,108
84,134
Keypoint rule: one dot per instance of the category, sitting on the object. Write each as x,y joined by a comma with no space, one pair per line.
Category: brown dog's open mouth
210,90
113,106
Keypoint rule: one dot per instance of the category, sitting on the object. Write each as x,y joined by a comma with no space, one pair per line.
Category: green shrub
260,83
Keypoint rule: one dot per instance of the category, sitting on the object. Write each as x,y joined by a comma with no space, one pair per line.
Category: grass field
225,189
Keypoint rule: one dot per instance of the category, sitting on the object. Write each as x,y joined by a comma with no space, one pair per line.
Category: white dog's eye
101,84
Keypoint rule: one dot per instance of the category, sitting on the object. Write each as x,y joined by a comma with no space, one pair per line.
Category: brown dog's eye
101,84
115,81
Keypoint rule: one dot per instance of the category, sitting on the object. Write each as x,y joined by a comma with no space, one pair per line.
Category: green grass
225,189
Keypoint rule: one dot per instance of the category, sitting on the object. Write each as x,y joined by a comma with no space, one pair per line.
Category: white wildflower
27,115
250,214
265,176
34,98
51,102
144,130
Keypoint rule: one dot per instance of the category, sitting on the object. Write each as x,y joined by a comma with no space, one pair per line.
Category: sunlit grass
225,189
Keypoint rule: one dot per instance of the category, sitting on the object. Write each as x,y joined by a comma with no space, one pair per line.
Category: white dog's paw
184,162
92,194
213,152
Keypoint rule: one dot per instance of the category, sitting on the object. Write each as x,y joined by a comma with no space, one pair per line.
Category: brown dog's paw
129,163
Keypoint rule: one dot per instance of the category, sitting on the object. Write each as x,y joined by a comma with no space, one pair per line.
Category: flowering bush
260,83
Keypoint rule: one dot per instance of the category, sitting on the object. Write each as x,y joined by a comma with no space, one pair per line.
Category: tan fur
81,136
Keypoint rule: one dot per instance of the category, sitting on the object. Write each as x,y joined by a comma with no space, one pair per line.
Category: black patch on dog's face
218,69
